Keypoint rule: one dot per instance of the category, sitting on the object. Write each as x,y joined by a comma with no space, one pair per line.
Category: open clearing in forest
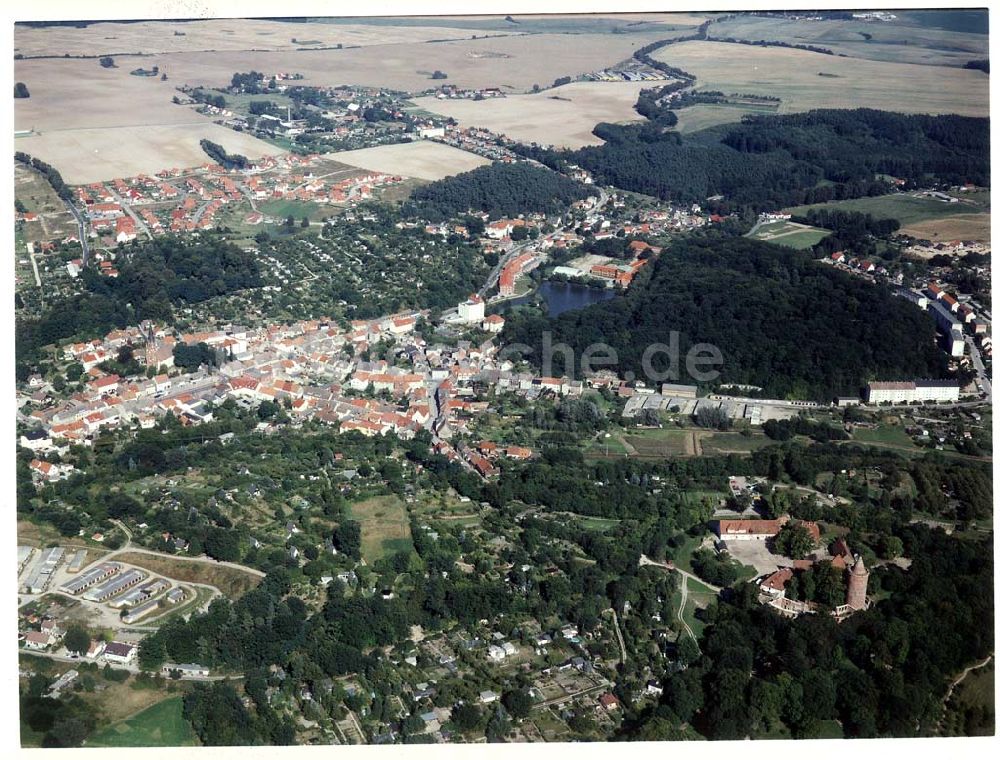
790,234
563,116
805,80
161,725
385,526
422,159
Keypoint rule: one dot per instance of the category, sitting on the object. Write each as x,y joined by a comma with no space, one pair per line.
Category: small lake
564,296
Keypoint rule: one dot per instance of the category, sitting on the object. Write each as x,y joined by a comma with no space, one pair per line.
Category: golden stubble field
217,34
795,77
898,41
94,124
563,116
514,63
420,160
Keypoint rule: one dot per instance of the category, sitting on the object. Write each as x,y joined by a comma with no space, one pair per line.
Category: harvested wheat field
514,63
956,227
805,80
95,124
563,116
216,34
421,160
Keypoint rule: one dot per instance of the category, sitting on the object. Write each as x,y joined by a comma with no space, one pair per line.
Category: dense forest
499,190
781,321
770,162
153,277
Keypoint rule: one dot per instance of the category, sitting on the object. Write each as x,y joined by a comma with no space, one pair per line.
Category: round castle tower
857,585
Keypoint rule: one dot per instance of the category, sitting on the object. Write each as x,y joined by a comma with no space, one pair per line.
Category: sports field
385,526
563,116
790,234
422,159
805,80
161,725
923,216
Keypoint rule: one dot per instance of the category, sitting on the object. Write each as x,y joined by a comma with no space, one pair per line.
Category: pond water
563,296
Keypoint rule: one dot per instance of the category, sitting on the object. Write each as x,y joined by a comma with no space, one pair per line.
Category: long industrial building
77,562
140,611
42,573
95,575
141,594
115,586
912,390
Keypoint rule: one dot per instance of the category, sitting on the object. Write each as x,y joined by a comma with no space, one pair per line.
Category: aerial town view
502,378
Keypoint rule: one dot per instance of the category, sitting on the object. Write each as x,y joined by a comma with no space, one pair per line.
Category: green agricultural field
385,526
790,234
162,725
704,115
908,208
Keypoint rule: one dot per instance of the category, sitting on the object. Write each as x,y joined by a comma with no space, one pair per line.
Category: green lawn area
161,725
385,526
891,435
790,234
284,208
598,523
659,442
737,443
602,447
908,209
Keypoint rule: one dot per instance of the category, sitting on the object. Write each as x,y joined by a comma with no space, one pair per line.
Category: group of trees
783,430
780,321
228,160
191,357
499,190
